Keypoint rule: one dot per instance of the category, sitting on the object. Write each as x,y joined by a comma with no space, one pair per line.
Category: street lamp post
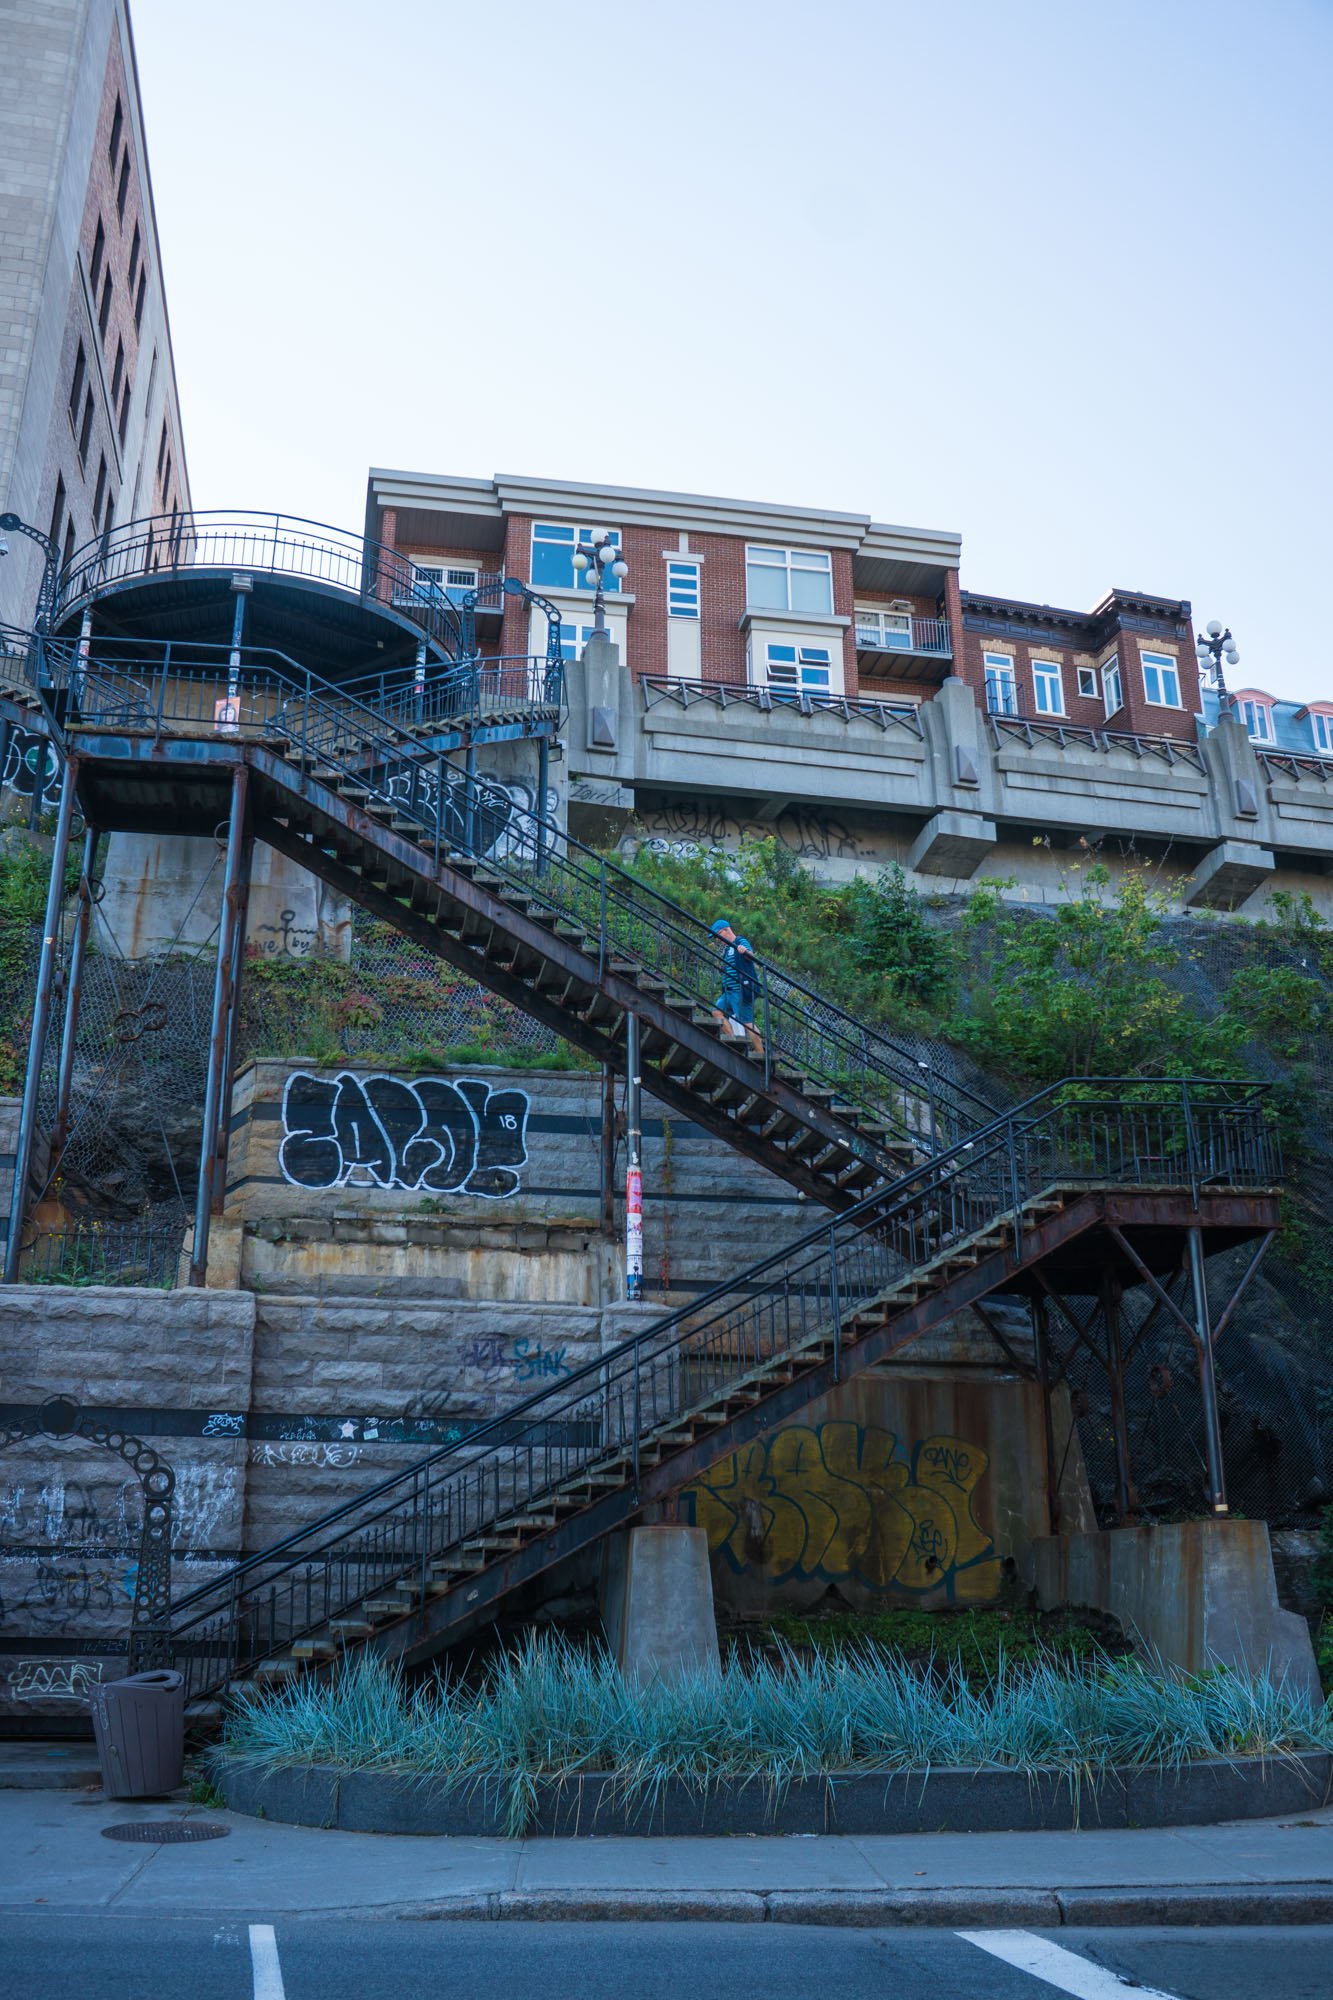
10,524
1215,645
602,556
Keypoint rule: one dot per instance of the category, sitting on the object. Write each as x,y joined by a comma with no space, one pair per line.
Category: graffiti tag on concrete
31,767
54,1680
841,1501
437,1136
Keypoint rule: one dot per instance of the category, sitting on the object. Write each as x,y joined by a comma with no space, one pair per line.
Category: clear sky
1054,275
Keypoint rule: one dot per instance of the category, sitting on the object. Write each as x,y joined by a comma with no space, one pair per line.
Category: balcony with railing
900,644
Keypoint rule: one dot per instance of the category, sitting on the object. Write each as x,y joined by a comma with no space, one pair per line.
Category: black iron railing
725,694
530,862
249,543
595,1424
97,1253
1010,726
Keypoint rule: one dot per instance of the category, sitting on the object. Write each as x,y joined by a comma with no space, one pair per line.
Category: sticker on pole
634,1232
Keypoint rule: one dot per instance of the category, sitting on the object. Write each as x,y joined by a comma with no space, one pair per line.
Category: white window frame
1321,728
684,592
807,660
788,562
1112,679
1158,665
884,628
1259,721
1087,683
1048,671
584,579
1000,667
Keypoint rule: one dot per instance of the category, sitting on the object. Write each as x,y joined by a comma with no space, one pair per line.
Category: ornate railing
1296,765
1033,729
103,1253
725,694
531,862
1165,1135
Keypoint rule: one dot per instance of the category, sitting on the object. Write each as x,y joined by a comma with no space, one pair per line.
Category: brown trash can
139,1724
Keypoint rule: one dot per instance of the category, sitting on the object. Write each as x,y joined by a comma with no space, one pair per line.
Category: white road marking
264,1959
1058,1967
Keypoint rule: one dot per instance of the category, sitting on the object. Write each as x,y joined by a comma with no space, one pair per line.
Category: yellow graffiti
841,1502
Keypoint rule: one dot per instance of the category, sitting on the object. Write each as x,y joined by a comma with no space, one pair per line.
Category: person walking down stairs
734,1006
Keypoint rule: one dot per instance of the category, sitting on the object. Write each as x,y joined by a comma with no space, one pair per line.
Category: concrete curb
873,1909
985,1801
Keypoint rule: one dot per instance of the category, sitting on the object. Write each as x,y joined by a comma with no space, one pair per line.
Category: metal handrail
532,860
250,541
1159,1133
930,638
1013,723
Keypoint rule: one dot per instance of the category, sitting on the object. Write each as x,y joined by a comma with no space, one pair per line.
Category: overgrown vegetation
547,1709
978,1643
24,869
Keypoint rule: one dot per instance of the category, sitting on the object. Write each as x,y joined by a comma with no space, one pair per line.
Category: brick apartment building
90,431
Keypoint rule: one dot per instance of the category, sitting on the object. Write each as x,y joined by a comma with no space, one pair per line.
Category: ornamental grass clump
548,1710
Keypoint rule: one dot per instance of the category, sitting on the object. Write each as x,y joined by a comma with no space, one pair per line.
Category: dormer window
1257,715
1321,728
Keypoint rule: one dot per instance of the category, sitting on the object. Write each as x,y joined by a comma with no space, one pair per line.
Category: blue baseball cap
722,924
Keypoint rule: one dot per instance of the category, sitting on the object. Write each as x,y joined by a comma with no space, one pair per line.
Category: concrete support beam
1229,873
657,1603
1193,1594
952,843
599,810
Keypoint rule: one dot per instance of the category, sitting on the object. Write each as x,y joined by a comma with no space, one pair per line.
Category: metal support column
41,1015
1041,1348
633,1163
217,1043
470,797
543,785
608,1148
73,997
1126,1494
1212,1422
233,1022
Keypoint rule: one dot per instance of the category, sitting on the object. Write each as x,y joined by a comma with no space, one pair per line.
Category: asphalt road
52,1956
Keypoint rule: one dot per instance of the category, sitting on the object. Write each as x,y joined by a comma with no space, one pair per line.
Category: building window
100,492
123,185
1113,699
1001,684
553,558
1258,717
1087,683
431,581
86,427
573,639
789,580
162,447
104,310
99,252
58,509
799,669
118,371
682,590
124,423
884,631
136,246
117,128
1048,687
76,386
1161,680
138,297
69,541
1322,725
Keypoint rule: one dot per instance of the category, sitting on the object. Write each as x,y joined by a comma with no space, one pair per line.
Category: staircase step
349,1629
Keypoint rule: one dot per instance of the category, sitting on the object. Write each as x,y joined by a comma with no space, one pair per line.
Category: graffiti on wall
501,811
53,1680
843,1501
688,827
31,767
433,1135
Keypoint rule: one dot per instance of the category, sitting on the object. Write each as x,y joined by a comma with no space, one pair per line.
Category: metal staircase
424,1555
355,795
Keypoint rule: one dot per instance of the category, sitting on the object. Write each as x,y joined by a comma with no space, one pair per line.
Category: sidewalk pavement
1256,1871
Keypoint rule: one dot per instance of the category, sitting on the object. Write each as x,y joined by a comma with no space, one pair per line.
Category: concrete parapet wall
1195,1594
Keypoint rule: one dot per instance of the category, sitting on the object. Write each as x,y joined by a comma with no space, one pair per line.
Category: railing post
216,1083
601,923
73,996
633,1163
638,1416
768,1025
439,804
1191,1146
543,781
470,800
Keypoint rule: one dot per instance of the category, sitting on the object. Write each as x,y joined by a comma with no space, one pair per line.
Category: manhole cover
165,1830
